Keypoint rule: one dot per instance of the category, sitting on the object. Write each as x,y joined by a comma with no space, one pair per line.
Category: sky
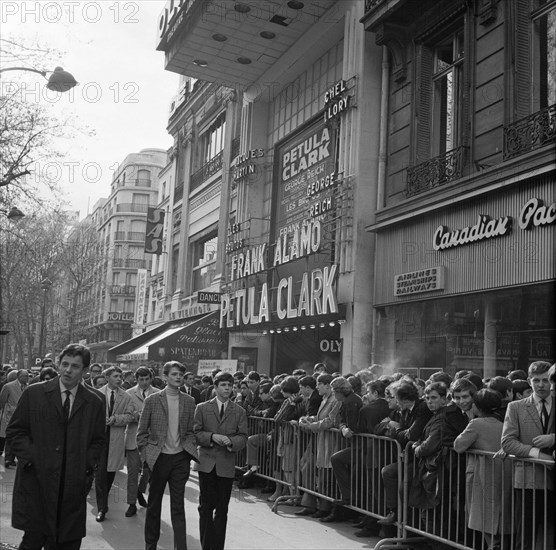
121,103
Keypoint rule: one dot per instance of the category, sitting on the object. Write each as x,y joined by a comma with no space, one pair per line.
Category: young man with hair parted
528,432
57,433
166,443
221,431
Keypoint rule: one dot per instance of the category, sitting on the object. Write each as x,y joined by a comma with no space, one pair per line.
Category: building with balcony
465,216
120,221
276,137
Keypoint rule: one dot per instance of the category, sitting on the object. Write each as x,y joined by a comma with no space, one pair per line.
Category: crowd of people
159,425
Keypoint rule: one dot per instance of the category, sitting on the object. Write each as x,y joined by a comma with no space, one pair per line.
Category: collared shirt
538,403
221,404
73,393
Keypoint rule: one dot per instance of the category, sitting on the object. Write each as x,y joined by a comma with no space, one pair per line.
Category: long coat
138,402
489,481
328,416
9,397
153,426
123,414
233,424
36,433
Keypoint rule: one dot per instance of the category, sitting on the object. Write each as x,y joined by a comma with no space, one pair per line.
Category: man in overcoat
9,397
57,433
220,428
119,413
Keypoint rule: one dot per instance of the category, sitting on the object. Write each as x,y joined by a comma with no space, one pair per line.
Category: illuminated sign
534,214
154,231
208,297
485,228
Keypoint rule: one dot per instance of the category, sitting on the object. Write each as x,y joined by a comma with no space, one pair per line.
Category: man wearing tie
529,433
136,486
189,388
221,431
57,433
119,413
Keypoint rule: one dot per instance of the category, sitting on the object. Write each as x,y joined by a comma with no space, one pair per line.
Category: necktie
111,404
544,416
144,395
66,405
222,411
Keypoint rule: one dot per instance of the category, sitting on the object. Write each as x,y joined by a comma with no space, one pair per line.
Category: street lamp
14,215
45,286
59,81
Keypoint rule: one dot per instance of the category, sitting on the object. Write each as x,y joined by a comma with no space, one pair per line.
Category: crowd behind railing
464,462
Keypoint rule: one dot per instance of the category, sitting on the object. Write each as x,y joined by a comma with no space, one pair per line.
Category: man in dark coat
57,433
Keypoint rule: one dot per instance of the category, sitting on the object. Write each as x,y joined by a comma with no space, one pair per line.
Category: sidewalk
251,523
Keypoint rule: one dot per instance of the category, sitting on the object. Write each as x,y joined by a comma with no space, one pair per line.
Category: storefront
189,341
472,285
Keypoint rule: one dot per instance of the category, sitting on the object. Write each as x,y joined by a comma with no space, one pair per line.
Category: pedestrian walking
166,443
57,432
221,431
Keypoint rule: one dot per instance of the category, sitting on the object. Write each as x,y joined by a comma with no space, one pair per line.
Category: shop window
204,261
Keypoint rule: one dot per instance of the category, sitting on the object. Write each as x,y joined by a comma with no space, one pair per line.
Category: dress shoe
131,511
305,512
330,518
100,516
141,499
320,514
8,465
390,519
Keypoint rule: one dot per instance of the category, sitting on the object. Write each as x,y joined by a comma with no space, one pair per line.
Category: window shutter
424,104
522,59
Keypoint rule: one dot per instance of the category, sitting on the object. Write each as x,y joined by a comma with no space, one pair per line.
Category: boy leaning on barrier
529,433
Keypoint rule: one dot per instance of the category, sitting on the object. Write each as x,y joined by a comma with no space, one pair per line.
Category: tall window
448,57
544,56
204,258
212,141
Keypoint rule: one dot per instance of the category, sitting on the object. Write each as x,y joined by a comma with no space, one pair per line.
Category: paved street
251,525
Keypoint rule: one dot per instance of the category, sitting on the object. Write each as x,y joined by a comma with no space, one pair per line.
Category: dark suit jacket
313,403
208,422
370,415
153,426
349,412
193,392
413,423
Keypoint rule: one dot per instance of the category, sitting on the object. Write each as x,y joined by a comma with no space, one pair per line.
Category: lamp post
45,286
14,215
59,81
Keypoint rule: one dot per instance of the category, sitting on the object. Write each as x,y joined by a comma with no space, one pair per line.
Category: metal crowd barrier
471,501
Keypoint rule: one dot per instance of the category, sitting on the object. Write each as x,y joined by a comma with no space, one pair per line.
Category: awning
186,341
142,352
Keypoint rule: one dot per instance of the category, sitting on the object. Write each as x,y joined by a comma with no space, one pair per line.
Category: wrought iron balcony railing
208,170
530,133
435,172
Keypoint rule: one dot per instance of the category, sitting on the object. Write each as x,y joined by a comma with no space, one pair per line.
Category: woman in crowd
489,480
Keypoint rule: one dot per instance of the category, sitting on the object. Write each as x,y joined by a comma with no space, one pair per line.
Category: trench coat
488,480
124,412
36,433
